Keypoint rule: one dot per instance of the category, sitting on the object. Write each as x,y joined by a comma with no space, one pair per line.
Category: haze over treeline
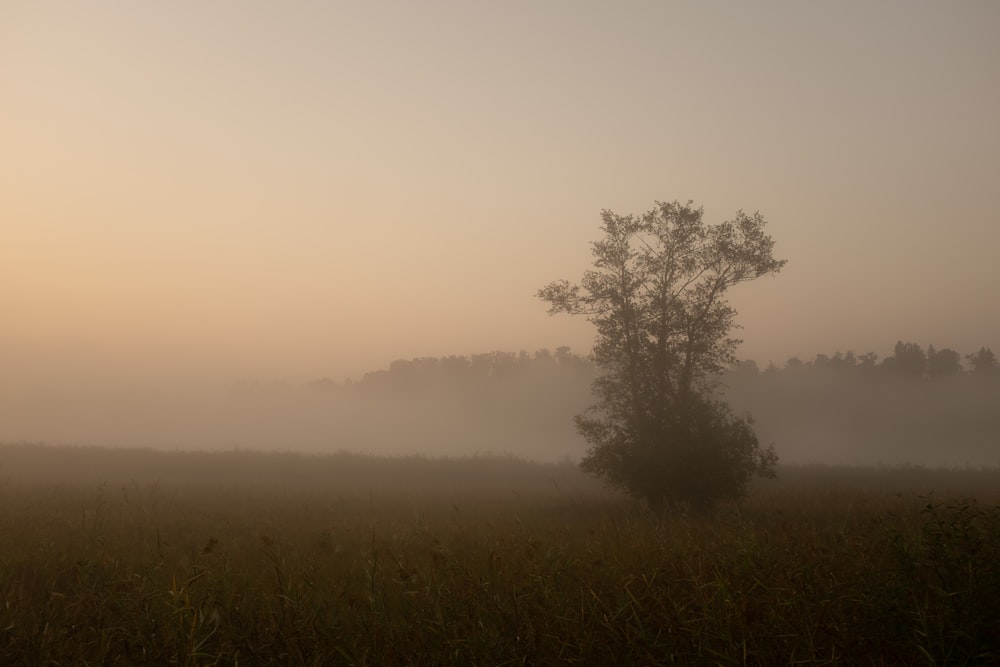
911,407
516,403
918,406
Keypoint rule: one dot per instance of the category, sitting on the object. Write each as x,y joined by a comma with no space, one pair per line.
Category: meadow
140,557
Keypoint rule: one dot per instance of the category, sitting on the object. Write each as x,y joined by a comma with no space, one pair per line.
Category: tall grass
536,567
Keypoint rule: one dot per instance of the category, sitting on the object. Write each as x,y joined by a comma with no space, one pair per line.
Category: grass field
138,557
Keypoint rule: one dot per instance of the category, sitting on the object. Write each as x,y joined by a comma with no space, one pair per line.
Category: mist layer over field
523,405
511,404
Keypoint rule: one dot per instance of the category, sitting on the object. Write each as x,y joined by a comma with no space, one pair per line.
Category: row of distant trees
842,407
403,374
919,405
909,360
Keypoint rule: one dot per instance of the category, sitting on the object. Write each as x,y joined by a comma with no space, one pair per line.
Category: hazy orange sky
297,190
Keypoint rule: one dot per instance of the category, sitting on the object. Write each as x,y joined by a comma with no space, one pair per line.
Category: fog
496,403
818,412
858,411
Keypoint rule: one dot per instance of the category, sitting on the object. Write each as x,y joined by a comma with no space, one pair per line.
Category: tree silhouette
656,294
908,361
943,362
984,362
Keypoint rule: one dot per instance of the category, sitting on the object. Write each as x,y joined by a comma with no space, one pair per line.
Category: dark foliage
656,294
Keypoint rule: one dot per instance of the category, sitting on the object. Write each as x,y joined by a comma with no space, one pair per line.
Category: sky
288,191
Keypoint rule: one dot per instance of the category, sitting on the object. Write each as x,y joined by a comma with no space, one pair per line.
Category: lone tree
656,294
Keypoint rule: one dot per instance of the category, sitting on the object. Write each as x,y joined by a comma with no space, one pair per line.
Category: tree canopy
656,294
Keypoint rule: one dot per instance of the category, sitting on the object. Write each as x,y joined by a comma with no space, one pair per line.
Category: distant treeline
909,360
922,406
406,374
916,406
